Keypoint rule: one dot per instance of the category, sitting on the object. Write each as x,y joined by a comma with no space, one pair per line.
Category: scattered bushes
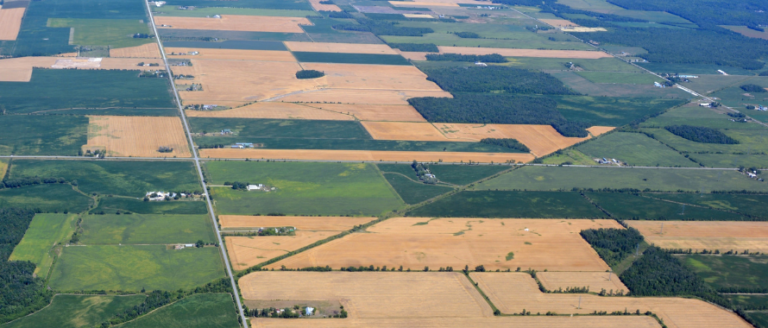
492,58
508,143
467,35
754,88
701,134
309,74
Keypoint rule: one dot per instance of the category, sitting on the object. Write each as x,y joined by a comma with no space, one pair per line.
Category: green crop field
631,207
51,89
755,205
302,188
735,97
266,4
723,272
567,178
76,311
210,11
133,205
131,268
116,33
586,87
697,116
732,160
749,301
761,317
635,149
46,198
693,68
354,144
112,229
708,83
267,128
413,191
590,65
195,311
510,204
752,141
568,157
263,41
449,173
620,78
342,58
42,135
127,178
608,111
45,231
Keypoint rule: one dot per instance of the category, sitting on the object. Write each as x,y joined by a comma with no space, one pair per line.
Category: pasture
75,311
627,206
620,78
724,272
754,205
242,23
126,136
611,111
418,242
194,311
750,141
606,64
127,229
48,198
586,87
45,232
635,149
366,155
697,116
116,33
413,191
131,268
42,135
723,236
512,39
136,205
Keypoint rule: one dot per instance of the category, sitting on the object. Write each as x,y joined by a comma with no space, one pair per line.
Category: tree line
507,143
701,134
415,47
613,245
753,88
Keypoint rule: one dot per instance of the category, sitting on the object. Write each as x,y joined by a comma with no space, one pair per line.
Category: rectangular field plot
137,205
116,33
230,54
633,207
611,111
126,229
45,231
620,78
489,322
730,273
302,188
696,115
345,58
48,198
235,23
42,135
605,64
279,110
245,252
72,311
594,280
150,50
319,223
586,87
567,178
519,204
414,243
264,128
413,191
210,11
508,52
127,136
368,155
195,311
316,47
523,40
723,236
131,268
753,205
265,4
10,23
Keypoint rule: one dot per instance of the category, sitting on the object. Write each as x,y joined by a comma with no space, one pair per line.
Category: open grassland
140,136
695,115
605,64
627,206
512,292
611,111
131,268
10,23
116,33
540,139
379,49
416,243
229,54
126,229
414,191
149,50
279,110
44,232
136,205
710,235
634,149
243,129
594,280
367,155
245,252
754,205
489,322
235,23
126,178
312,223
723,272
195,311
48,198
620,78
75,311
42,135
583,86
302,188
506,204
449,295
567,178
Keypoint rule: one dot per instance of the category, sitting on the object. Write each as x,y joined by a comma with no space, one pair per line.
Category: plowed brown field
10,23
352,48
137,136
246,252
235,23
415,131
486,322
540,139
323,7
149,50
711,235
507,52
332,223
232,54
364,112
594,280
274,110
366,155
549,244
511,292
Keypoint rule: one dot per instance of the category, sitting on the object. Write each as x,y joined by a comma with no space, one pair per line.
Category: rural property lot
232,54
130,136
10,23
711,235
276,110
511,292
367,155
235,23
149,50
349,48
488,322
329,223
414,243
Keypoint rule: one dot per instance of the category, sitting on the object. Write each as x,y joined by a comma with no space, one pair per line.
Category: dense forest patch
492,58
495,79
415,47
613,245
752,88
701,134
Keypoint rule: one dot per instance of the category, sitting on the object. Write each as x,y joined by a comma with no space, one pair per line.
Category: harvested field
404,131
75,63
550,244
594,280
351,48
425,16
374,294
366,155
245,252
506,52
149,50
323,7
363,112
275,110
583,29
137,136
10,23
232,54
711,235
235,23
20,69
373,97
108,63
332,223
374,77
488,322
540,139
558,22
512,291
598,130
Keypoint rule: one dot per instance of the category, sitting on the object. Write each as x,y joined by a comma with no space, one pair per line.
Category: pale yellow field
417,4
10,23
550,244
415,131
583,29
323,7
710,235
540,139
108,63
364,112
598,130
137,136
506,52
3,167
558,22
232,54
418,16
245,252
149,50
594,280
486,322
374,97
374,77
235,23
374,294
333,223
366,155
351,48
275,110
511,292
20,69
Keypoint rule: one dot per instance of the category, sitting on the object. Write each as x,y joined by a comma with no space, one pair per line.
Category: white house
309,311
254,187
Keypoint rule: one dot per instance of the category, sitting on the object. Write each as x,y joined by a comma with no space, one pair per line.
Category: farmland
135,205
126,136
116,33
72,311
11,22
594,280
753,205
723,236
236,23
729,272
196,311
368,155
45,231
112,229
46,198
628,207
27,134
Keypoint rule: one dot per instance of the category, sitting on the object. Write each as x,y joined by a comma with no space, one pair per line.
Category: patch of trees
383,28
507,143
422,172
705,13
237,185
326,2
337,14
613,245
309,74
467,35
164,149
500,109
754,88
492,58
701,134
29,181
495,79
415,47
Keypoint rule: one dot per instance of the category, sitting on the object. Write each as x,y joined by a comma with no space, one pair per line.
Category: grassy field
342,58
266,4
126,178
302,188
42,135
75,311
234,39
116,33
708,83
620,78
634,149
498,36
589,65
355,144
46,198
131,268
755,205
45,231
697,116
51,89
567,178
729,271
568,156
749,301
732,160
453,174
631,207
129,229
761,317
413,191
735,97
266,128
112,204
510,204
693,68
210,11
586,87
195,311
607,111
752,141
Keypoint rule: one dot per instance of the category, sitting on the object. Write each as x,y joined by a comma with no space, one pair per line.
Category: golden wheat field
558,22
540,139
594,280
137,136
20,69
360,96
149,50
10,23
711,235
367,155
245,252
487,322
235,23
323,7
230,54
415,131
414,243
351,48
371,112
331,223
598,130
374,77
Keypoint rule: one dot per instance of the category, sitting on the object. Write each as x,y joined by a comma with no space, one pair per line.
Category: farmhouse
159,195
255,187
